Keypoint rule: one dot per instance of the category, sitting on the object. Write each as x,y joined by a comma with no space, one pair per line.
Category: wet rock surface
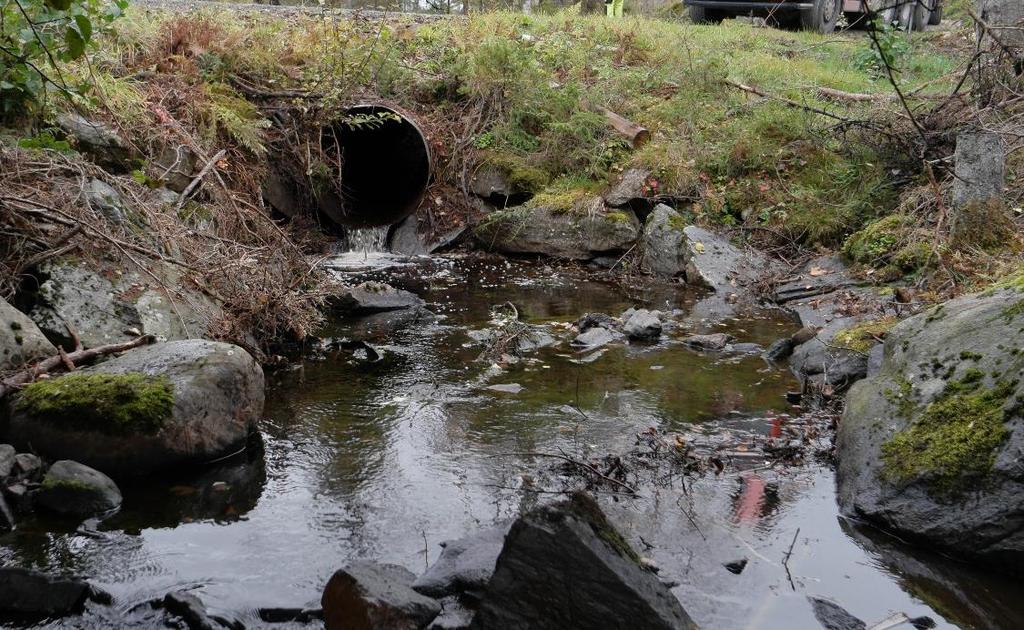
832,616
217,390
641,324
369,596
930,446
712,342
712,261
21,341
577,234
31,594
465,565
564,566
73,489
375,297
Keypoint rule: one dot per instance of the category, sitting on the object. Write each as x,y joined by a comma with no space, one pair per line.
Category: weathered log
15,381
628,129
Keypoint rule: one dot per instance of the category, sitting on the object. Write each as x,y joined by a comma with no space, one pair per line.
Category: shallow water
384,460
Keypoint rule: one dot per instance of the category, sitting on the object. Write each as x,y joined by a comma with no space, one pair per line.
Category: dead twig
575,462
198,178
46,366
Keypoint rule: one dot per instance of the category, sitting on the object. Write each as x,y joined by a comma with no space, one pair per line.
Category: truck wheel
822,17
936,16
703,15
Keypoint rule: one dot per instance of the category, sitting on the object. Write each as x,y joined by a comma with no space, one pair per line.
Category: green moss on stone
114,404
954,440
587,510
72,485
617,217
861,337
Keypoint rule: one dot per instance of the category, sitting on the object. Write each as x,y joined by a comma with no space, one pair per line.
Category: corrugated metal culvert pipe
385,167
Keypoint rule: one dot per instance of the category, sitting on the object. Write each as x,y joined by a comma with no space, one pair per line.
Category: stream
385,459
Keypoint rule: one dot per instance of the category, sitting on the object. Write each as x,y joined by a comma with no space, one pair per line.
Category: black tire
936,17
702,15
822,17
922,15
857,21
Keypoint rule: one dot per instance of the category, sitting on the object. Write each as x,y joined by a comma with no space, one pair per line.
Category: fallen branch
815,110
198,178
565,458
637,135
46,366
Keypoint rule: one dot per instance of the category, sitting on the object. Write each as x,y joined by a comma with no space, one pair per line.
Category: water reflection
371,458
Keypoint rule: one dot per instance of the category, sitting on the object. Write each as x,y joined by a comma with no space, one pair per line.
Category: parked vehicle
819,15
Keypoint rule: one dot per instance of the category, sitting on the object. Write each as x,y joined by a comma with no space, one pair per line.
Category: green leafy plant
36,36
890,46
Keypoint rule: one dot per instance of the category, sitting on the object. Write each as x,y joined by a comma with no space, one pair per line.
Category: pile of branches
235,253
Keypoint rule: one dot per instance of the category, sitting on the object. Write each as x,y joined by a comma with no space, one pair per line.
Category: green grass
530,87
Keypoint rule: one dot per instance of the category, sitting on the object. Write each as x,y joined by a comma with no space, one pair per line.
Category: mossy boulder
72,489
21,342
665,251
930,447
156,407
584,231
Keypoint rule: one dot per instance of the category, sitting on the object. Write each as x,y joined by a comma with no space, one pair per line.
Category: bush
35,37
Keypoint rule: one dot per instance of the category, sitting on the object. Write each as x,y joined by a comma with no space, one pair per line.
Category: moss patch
70,485
114,404
586,509
954,440
861,337
893,241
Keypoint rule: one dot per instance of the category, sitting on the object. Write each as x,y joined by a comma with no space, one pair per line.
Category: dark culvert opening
385,167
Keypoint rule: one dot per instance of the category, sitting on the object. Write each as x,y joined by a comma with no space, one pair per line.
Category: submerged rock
21,341
375,297
832,616
665,251
931,446
33,594
576,234
642,324
465,565
188,607
565,566
74,489
780,350
368,596
712,342
595,337
155,407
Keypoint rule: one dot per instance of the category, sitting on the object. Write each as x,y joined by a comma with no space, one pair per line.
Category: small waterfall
367,240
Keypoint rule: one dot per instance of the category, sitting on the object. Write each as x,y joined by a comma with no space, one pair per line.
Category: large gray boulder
565,566
665,251
931,446
153,408
104,310
369,596
73,489
577,234
21,341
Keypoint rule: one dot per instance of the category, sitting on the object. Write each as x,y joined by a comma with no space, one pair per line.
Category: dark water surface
384,460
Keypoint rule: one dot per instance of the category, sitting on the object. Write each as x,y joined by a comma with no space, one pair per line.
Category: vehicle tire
936,17
922,15
822,17
703,15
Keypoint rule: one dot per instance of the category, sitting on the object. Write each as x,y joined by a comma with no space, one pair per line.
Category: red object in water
750,504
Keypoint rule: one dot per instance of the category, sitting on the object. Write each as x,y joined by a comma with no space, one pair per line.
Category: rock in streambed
158,406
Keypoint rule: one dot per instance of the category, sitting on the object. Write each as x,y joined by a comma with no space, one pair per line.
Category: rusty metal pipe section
385,167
